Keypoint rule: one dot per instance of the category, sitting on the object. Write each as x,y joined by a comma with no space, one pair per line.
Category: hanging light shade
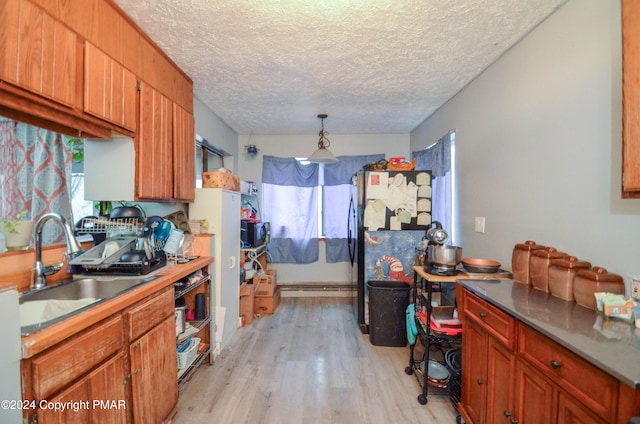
322,155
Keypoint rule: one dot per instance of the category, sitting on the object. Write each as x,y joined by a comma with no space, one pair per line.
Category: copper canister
561,275
597,279
539,266
520,260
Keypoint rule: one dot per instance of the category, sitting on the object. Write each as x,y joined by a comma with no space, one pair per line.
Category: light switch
480,224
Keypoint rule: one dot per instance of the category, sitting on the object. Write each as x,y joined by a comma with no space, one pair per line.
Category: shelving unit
200,328
446,342
258,254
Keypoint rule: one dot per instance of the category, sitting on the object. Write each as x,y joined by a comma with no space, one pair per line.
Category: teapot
436,235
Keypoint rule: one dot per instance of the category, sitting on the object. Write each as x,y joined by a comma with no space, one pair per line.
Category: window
305,201
208,158
37,175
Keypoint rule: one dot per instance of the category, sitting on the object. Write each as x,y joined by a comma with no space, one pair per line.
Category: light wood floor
308,363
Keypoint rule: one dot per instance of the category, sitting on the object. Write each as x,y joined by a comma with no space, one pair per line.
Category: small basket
186,358
221,179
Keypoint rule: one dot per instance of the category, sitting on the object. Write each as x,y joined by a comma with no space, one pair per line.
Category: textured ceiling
374,66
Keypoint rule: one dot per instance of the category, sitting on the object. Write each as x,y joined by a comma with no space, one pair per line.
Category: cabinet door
109,89
9,19
154,158
474,376
40,54
154,382
184,154
630,98
104,385
534,396
500,383
572,412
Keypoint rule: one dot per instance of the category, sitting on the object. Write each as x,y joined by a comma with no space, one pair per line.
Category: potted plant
17,231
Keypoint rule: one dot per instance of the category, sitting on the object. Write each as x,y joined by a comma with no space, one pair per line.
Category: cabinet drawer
593,387
496,322
70,360
149,314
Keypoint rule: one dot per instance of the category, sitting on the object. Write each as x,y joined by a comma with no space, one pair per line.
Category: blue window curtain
437,159
338,190
290,205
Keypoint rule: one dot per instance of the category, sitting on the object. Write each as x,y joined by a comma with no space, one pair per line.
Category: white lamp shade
322,155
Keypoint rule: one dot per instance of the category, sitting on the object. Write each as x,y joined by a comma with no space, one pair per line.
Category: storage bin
520,260
588,282
539,267
186,358
561,275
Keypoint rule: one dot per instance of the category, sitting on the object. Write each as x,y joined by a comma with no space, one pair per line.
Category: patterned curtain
35,171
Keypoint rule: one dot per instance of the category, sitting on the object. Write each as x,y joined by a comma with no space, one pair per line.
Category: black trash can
388,301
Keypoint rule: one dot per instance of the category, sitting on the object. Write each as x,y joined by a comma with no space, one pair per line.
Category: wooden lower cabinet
538,382
487,385
154,374
120,370
535,397
500,377
572,412
99,397
474,362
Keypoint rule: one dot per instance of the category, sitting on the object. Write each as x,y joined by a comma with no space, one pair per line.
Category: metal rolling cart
440,340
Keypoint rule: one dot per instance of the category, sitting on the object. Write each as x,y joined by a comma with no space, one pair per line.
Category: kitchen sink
41,308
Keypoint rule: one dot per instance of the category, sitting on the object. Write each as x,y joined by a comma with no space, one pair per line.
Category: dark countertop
611,345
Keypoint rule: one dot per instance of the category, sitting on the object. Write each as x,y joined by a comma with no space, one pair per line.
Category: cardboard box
265,284
266,305
247,302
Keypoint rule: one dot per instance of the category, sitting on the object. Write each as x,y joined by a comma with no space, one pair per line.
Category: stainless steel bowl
444,255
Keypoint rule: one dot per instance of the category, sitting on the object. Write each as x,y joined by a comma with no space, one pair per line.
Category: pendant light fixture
322,155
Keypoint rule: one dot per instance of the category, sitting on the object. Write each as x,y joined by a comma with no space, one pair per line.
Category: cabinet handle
127,378
507,414
555,364
480,382
482,315
513,421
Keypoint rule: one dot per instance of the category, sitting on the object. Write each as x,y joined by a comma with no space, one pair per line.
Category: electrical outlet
480,224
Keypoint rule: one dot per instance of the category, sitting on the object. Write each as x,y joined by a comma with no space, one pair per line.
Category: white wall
302,145
538,144
216,132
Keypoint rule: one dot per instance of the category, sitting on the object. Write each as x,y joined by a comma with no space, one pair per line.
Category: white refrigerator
221,209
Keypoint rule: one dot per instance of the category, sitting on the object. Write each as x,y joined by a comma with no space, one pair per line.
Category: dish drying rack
112,239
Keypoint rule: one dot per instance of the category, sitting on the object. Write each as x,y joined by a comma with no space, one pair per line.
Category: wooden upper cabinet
39,53
184,154
109,89
154,152
631,98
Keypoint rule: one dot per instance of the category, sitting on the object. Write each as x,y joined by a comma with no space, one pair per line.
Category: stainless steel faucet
73,248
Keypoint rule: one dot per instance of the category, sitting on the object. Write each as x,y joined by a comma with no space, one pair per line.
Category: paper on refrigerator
375,215
377,185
